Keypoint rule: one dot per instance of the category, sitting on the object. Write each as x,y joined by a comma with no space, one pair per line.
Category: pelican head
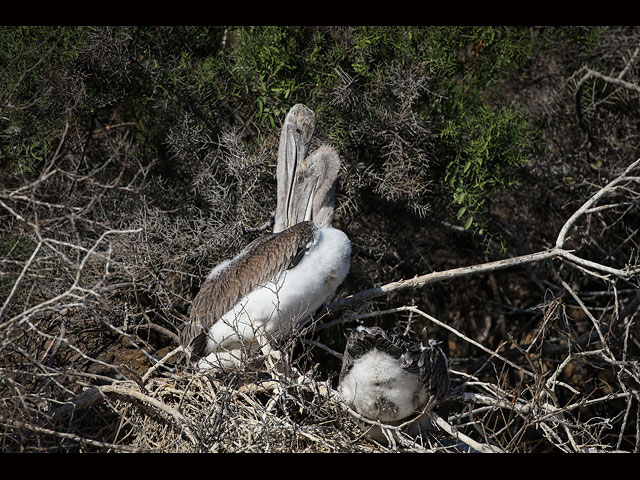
312,192
295,139
306,185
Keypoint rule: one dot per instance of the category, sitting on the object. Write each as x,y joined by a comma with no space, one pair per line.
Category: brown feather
261,261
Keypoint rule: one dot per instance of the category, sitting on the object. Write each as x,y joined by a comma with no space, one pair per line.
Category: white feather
219,268
377,379
282,303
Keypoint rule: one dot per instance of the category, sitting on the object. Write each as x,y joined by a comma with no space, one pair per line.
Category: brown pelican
275,283
389,380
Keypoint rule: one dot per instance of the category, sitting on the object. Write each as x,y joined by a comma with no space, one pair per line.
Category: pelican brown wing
261,261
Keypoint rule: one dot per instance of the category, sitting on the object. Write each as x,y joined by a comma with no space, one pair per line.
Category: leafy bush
180,86
489,147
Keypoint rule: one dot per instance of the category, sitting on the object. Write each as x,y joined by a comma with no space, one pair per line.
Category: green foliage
480,137
275,67
485,136
32,107
28,54
473,59
419,106
489,145
374,46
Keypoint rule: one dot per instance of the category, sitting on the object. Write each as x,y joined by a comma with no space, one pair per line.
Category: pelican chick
389,380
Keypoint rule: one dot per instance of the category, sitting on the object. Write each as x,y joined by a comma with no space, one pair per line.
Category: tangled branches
105,245
65,351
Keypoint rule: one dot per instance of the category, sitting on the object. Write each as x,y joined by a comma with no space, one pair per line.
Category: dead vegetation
104,249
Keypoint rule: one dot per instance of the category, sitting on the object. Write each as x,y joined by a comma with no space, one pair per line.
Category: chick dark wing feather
429,363
363,340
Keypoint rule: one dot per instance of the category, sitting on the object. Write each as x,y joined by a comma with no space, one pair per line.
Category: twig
160,362
411,308
480,447
73,288
557,251
467,339
68,436
128,392
26,267
594,198
589,74
423,280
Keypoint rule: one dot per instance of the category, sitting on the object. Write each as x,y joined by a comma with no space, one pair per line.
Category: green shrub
32,104
489,145
423,104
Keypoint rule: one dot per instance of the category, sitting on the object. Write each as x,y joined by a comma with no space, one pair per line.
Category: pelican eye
300,178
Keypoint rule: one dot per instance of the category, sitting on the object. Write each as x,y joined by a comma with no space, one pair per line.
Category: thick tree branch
558,251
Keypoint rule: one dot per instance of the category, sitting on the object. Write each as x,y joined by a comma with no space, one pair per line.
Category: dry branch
589,74
127,391
557,251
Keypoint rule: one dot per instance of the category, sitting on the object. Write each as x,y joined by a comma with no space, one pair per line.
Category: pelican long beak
295,140
295,155
308,212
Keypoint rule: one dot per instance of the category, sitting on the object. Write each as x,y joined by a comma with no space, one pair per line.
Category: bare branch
589,74
557,251
129,392
584,208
